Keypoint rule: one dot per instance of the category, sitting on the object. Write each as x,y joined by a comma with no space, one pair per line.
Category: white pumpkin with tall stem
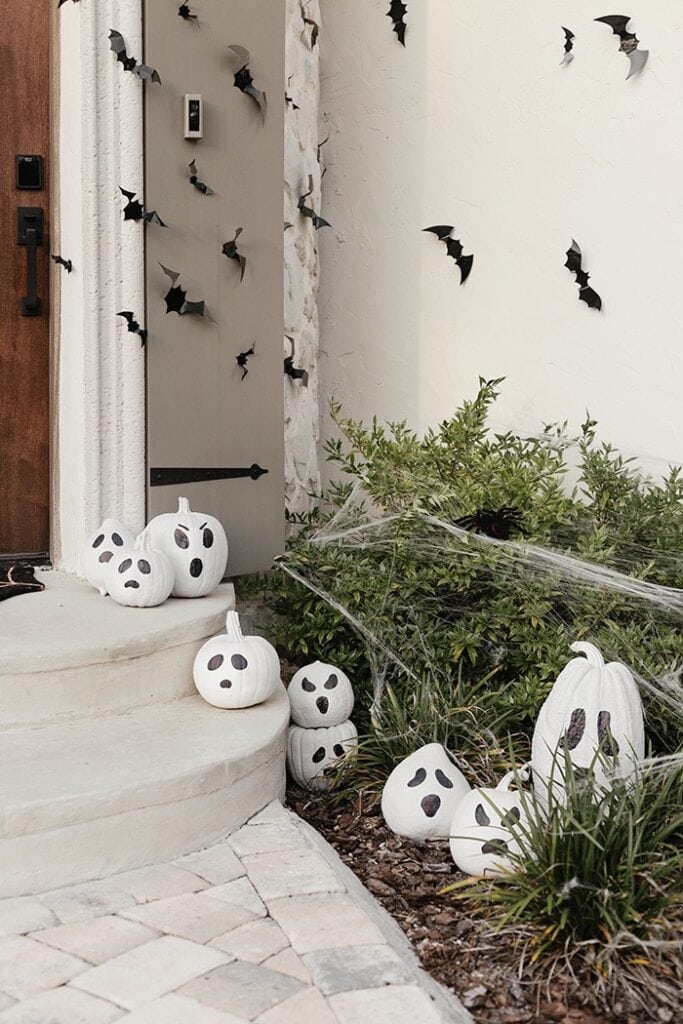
196,545
236,671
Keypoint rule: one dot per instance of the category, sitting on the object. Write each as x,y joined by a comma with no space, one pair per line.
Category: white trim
100,384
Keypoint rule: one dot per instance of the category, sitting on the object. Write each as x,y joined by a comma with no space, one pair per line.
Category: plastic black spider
499,524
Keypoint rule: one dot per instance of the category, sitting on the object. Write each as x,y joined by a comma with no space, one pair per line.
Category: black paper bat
292,371
244,80
18,579
118,46
586,293
629,42
288,98
176,298
62,2
315,27
568,46
397,12
199,185
242,359
67,264
185,13
497,523
453,248
323,170
308,211
134,210
232,252
133,325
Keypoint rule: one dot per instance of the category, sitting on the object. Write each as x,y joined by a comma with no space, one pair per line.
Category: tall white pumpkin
111,537
311,751
196,545
236,671
594,717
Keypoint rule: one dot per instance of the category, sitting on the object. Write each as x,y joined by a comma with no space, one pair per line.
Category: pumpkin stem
183,505
592,653
232,626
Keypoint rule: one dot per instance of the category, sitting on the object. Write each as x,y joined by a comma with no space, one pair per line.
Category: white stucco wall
475,123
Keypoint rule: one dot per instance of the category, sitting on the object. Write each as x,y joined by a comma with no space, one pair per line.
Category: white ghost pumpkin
112,537
236,671
311,751
487,827
421,794
138,576
594,716
320,694
196,545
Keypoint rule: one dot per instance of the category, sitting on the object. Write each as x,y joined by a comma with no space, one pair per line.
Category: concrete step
84,799
68,652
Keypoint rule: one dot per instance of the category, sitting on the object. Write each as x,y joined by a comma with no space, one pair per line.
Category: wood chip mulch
461,952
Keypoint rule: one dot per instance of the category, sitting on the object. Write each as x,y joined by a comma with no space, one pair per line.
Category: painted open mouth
430,804
133,584
495,846
322,705
196,567
225,684
106,556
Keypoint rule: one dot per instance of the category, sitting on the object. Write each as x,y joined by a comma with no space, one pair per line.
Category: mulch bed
461,952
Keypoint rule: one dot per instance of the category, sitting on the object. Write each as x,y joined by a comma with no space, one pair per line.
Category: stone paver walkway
268,926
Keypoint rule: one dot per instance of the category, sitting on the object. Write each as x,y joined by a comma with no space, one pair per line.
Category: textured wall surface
475,124
302,268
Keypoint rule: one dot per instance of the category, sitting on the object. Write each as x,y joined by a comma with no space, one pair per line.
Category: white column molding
100,387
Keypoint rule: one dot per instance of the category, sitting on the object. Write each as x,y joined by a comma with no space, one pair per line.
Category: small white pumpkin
421,794
138,576
236,671
311,751
593,715
320,694
487,827
110,538
196,545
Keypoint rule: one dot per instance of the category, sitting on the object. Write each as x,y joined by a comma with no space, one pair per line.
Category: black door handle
30,234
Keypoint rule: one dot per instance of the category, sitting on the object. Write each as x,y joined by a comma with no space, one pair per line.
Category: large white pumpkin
196,545
236,671
594,716
487,827
110,538
320,694
138,576
421,794
311,751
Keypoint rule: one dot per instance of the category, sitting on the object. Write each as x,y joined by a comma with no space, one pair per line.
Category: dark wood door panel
24,341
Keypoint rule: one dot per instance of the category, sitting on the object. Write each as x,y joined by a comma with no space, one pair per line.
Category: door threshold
32,558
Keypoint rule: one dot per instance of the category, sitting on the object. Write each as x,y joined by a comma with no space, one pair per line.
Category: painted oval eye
577,727
215,662
511,818
181,539
480,815
443,779
331,682
118,540
207,538
608,744
418,778
308,686
98,540
144,567
319,755
125,565
238,662
338,749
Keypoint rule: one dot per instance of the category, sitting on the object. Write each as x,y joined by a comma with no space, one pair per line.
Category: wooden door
212,428
24,332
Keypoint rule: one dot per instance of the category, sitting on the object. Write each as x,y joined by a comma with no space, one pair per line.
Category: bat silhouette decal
176,298
243,358
629,42
308,211
199,185
244,80
232,252
453,248
133,326
568,46
60,261
308,22
134,210
397,12
292,371
186,14
118,46
573,264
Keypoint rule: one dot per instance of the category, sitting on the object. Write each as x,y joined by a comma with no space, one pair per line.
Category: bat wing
638,60
397,12
152,217
241,52
128,316
441,231
617,22
243,265
173,275
146,73
195,308
193,169
590,297
573,258
465,264
127,194
117,44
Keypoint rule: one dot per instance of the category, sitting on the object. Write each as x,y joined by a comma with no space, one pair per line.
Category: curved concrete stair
68,652
83,799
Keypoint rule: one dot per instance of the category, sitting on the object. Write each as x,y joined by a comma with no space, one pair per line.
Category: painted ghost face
320,695
107,541
139,577
196,545
311,751
487,828
421,794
